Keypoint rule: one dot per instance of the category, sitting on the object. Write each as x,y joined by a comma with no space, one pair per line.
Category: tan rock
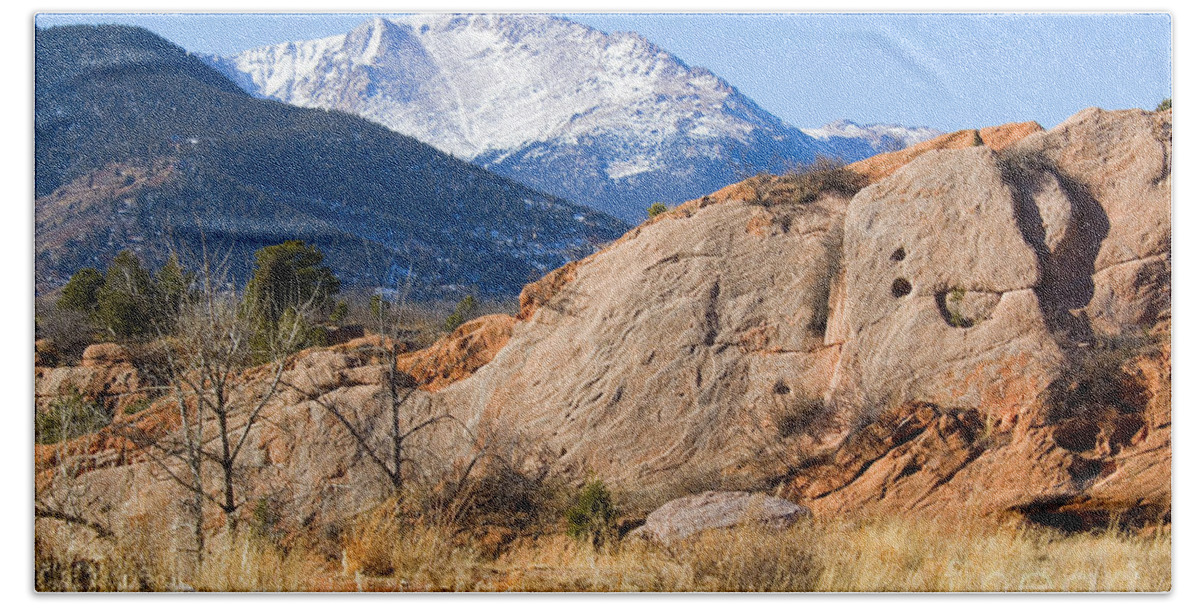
683,517
655,366
939,290
455,357
100,355
44,353
998,137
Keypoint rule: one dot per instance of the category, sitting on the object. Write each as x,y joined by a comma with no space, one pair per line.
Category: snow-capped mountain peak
609,120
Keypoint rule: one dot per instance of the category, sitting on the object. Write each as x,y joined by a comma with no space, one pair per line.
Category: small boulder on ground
686,516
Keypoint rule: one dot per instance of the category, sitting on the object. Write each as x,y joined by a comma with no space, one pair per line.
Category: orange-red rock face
922,347
882,165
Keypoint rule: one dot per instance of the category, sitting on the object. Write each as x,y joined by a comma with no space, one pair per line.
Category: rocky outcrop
683,517
882,165
1020,319
983,332
107,377
675,356
468,348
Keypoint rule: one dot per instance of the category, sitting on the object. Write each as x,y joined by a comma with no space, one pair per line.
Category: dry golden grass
249,563
415,556
904,555
388,553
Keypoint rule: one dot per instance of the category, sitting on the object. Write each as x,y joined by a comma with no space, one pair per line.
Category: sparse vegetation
463,312
593,517
136,405
954,301
1096,378
387,552
1163,105
806,183
802,413
68,417
656,209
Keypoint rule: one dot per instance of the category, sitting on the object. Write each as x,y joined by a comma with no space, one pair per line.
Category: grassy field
383,554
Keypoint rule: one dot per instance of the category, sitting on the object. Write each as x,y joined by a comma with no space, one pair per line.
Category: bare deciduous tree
407,416
208,348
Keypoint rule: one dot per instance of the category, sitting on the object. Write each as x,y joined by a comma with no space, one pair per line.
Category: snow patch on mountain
879,136
607,120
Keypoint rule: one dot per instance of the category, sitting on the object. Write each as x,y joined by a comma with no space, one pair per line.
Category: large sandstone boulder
1121,163
683,517
940,300
101,355
670,359
982,378
922,347
106,377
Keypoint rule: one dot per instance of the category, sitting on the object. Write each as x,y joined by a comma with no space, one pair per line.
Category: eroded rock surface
982,331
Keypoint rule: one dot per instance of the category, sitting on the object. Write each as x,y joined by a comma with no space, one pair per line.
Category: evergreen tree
174,284
82,292
126,301
289,289
462,313
289,275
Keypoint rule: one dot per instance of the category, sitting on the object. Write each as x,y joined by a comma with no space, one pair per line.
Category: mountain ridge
609,120
116,98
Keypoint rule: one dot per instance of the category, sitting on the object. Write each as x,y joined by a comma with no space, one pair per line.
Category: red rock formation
922,347
455,357
998,137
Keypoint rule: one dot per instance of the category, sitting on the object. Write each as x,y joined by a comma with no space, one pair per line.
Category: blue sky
940,70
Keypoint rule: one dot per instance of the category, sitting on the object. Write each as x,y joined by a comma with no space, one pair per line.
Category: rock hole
782,389
1125,427
1085,470
901,287
949,304
1076,435
898,255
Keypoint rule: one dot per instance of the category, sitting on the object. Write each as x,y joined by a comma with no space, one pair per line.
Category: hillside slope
140,145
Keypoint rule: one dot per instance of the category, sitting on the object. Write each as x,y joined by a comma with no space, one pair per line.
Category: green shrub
593,516
340,311
1163,105
81,293
656,209
68,416
135,406
462,313
954,302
